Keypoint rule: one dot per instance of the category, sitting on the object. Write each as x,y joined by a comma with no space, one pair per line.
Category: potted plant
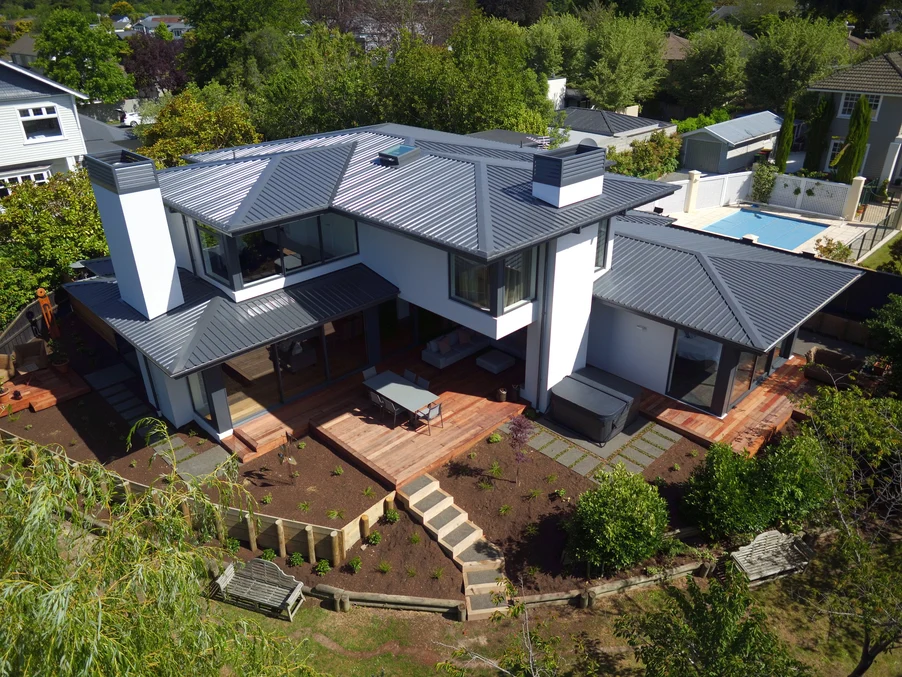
59,360
5,393
502,394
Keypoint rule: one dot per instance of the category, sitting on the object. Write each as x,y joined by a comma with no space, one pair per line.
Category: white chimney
567,175
137,232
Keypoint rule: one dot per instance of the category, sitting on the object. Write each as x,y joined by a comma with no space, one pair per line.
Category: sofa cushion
451,338
444,346
432,346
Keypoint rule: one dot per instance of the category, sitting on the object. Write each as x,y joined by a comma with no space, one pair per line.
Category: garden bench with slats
261,586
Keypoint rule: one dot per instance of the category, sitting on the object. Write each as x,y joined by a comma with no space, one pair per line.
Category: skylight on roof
399,155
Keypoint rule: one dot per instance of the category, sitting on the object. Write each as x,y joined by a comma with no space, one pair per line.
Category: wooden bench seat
261,586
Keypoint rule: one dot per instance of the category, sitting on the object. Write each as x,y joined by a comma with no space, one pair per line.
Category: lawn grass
880,256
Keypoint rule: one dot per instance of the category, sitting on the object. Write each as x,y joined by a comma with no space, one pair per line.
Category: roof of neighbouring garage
742,130
744,293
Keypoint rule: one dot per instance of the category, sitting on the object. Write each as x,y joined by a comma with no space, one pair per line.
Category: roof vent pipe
567,175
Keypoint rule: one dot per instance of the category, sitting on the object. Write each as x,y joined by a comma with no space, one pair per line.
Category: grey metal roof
608,123
20,83
508,137
743,129
881,75
739,292
464,194
209,328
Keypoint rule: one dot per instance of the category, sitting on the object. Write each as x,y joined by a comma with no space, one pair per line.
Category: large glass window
470,282
40,123
199,395
519,278
601,247
258,255
750,370
301,245
339,235
213,252
345,345
695,364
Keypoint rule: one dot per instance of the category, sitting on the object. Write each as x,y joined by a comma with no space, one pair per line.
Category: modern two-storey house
257,275
40,133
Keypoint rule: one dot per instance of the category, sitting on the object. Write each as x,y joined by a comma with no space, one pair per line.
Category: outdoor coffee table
406,394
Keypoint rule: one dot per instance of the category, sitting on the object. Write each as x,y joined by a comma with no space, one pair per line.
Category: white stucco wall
557,90
631,346
621,143
173,397
421,273
179,240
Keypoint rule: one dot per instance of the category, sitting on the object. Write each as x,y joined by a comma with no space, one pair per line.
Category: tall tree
219,26
155,64
689,16
573,36
522,12
625,61
784,142
819,133
755,15
714,633
886,43
713,73
8,37
122,8
863,13
850,158
163,33
544,47
82,57
791,55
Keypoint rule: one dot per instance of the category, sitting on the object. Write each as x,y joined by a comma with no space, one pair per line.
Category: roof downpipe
568,175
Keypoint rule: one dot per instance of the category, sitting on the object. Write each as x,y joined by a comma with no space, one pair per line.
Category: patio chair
368,373
423,383
429,414
410,376
393,409
376,400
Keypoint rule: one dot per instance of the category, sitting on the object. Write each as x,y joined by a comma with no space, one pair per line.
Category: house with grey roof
609,129
879,80
40,132
258,275
730,146
176,25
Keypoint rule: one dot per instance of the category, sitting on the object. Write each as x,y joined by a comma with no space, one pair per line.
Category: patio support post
692,191
853,197
726,370
390,502
311,545
217,399
251,531
280,532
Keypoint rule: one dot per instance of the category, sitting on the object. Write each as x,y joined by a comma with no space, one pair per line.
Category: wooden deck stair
480,561
43,389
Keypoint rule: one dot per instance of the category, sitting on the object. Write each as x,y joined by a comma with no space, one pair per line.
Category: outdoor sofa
453,347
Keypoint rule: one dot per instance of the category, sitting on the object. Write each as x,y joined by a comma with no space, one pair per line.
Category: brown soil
672,482
423,559
535,559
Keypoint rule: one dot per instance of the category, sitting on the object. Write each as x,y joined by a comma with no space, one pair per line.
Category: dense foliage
764,176
818,139
712,75
619,523
784,141
849,160
155,64
885,332
717,632
653,158
691,124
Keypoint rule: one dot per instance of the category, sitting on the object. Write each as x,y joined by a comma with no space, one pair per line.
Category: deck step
479,555
480,607
460,538
482,581
446,521
432,504
417,488
238,447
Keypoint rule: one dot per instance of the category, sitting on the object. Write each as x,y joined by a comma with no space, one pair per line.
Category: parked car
129,119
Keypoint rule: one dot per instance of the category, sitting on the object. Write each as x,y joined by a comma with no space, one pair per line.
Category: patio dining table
406,394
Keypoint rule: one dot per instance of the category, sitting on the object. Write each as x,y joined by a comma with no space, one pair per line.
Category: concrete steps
481,562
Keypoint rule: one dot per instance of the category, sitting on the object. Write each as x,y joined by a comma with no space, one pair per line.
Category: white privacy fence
724,189
809,195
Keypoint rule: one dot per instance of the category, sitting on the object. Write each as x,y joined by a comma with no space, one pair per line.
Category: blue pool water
777,231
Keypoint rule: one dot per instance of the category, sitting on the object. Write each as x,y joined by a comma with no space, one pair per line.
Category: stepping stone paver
666,432
136,412
177,443
570,457
180,453
555,448
121,396
109,391
126,404
203,464
104,378
647,449
587,465
505,428
628,464
635,456
659,441
605,468
540,440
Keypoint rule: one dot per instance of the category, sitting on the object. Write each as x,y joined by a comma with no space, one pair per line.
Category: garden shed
732,145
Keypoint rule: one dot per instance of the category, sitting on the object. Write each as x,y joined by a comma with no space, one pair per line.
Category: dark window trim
607,232
496,283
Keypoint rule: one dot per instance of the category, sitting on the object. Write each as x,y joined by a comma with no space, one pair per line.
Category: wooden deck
43,389
749,425
341,417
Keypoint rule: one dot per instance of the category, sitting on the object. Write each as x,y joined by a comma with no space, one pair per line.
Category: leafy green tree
163,33
122,8
784,142
573,36
124,599
625,62
652,158
718,632
689,16
17,289
219,27
886,43
86,59
45,228
755,15
544,45
7,36
713,73
618,523
819,133
791,55
197,120
702,120
885,330
851,156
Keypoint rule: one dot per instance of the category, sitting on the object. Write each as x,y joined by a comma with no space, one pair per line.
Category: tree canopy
851,156
123,8
155,64
713,73
784,141
82,57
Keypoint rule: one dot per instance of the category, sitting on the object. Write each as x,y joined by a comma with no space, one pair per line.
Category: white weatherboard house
40,133
258,275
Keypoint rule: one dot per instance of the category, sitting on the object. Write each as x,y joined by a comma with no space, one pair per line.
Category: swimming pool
777,231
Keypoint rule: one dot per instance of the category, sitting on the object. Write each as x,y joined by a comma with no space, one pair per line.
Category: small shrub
200,442
694,453
495,470
267,499
485,485
232,546
355,565
338,471
411,572
269,555
368,492
391,516
494,438
413,539
335,514
560,493
533,494
532,571
675,467
304,506
618,523
28,426
834,250
437,574
295,474
471,455
531,529
384,567
301,445
764,176
375,538
296,559
551,479
504,510
133,464
192,432
659,481
322,567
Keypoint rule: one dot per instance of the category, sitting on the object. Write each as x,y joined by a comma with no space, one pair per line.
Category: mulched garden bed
670,472
530,533
146,467
419,569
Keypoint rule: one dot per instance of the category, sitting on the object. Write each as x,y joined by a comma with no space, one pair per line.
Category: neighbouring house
22,51
258,275
607,128
880,80
40,132
148,25
732,145
676,48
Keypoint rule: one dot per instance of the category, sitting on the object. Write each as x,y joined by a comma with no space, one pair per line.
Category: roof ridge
734,304
894,66
484,233
255,190
206,317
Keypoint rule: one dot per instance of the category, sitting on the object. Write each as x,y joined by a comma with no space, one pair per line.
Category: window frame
199,226
452,286
6,184
832,154
495,272
607,231
43,115
533,285
875,112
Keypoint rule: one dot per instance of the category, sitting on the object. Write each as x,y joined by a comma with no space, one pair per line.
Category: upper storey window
40,123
